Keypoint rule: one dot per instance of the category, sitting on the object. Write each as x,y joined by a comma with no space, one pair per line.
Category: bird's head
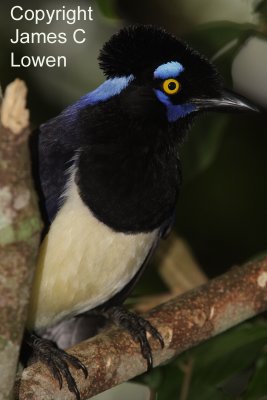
163,76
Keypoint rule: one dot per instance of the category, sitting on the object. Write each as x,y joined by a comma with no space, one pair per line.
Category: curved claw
145,347
57,361
75,362
149,359
138,328
152,330
57,375
70,380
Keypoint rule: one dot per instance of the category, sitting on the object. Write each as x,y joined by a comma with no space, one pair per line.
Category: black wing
56,143
53,148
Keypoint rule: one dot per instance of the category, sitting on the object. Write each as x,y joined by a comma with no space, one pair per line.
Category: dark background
222,210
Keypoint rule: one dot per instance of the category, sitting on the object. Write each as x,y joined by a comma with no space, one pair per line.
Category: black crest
140,47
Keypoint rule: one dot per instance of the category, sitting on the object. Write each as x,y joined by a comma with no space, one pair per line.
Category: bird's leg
56,360
138,328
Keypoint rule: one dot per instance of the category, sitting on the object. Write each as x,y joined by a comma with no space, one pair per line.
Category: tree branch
112,357
19,230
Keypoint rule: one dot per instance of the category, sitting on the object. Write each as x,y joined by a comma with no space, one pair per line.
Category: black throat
128,171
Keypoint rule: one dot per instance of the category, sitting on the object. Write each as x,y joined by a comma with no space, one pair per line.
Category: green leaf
107,8
220,42
221,368
203,144
261,8
211,37
258,384
237,383
166,380
226,359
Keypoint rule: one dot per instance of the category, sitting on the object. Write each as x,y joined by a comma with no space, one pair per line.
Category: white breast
82,263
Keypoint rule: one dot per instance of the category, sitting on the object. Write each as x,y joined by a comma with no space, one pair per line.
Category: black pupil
172,86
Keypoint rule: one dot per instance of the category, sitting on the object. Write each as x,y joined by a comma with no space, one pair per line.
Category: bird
108,173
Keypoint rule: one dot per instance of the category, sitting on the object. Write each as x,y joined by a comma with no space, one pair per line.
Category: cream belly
82,263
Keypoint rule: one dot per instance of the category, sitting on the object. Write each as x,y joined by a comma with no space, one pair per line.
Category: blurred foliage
222,211
201,149
228,367
220,41
261,8
222,207
107,8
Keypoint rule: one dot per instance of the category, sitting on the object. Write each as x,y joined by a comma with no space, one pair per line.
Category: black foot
138,328
56,360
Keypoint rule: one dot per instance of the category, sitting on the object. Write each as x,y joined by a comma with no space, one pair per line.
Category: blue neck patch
169,70
111,87
174,111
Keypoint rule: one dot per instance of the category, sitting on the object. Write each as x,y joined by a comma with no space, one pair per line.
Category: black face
129,169
176,84
141,51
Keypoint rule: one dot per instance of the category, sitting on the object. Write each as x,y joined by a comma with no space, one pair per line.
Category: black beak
227,101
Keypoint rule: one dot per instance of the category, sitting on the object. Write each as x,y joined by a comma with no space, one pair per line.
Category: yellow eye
171,86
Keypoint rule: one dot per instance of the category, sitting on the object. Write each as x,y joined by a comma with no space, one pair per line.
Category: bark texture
19,230
185,321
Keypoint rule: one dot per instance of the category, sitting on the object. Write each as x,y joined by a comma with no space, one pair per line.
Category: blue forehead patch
169,70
